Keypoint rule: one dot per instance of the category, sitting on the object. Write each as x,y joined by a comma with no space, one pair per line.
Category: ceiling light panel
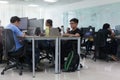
51,1
4,2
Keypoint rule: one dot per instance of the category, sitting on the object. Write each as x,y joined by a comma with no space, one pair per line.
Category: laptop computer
34,31
31,31
54,32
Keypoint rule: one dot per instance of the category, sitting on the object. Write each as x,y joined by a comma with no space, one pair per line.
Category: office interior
92,15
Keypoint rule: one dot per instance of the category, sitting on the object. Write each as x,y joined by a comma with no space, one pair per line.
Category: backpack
72,62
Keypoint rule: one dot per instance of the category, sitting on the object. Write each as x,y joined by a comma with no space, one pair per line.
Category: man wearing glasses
67,46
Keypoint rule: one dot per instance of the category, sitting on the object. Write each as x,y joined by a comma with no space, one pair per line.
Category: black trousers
66,47
109,49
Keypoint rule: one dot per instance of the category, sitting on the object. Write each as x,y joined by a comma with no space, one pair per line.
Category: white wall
56,16
56,13
7,10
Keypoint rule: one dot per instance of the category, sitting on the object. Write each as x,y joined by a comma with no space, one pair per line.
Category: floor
99,70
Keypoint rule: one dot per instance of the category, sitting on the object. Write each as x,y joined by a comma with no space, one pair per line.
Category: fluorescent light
33,5
51,1
4,2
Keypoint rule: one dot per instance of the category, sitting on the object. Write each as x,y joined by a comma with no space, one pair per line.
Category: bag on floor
72,62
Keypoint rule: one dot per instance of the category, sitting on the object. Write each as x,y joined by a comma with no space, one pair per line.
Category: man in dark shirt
107,31
75,32
67,46
113,45
103,34
109,48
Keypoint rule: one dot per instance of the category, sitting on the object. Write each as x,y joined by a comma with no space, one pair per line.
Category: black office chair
13,57
87,33
1,46
46,51
101,49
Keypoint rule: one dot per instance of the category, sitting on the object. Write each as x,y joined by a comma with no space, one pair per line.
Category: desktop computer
33,24
23,23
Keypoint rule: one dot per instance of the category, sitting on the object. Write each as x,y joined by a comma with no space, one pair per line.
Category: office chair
1,46
87,35
13,57
101,48
46,50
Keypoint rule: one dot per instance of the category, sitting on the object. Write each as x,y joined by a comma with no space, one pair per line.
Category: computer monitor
31,26
23,23
40,23
36,23
84,30
31,22
88,31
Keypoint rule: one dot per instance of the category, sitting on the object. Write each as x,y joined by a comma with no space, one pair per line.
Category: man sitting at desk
110,47
70,45
75,32
14,26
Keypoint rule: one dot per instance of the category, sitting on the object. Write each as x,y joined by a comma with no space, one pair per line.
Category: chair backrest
100,38
37,31
8,41
1,28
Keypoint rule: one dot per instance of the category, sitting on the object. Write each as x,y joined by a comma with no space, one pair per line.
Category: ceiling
42,3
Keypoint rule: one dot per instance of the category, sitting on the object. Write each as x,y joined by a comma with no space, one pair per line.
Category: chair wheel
22,68
20,73
50,62
2,73
16,67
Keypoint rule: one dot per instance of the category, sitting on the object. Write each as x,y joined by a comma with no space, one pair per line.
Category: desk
69,38
57,49
57,62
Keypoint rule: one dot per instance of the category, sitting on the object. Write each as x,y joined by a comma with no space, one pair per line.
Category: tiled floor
99,70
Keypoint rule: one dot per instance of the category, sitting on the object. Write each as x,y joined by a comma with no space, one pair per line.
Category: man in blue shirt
14,26
15,22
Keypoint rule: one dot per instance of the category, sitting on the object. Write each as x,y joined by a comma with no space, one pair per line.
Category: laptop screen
54,32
